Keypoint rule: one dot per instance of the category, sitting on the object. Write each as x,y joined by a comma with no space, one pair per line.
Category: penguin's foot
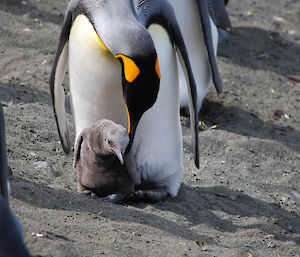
89,193
151,195
113,198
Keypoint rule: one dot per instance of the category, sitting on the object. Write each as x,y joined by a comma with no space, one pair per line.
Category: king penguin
11,233
122,67
199,21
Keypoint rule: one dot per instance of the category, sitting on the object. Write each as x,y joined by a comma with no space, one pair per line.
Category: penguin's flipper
3,159
11,232
57,76
192,91
219,14
11,240
204,16
58,97
161,12
77,148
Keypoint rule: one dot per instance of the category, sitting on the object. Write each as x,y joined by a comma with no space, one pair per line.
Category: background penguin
201,36
11,236
218,13
4,185
220,17
102,168
96,37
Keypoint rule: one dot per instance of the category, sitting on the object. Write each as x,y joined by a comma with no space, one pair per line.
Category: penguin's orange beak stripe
128,119
131,71
157,69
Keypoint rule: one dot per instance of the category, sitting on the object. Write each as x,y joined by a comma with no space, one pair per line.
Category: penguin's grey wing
57,76
204,16
219,14
3,159
77,148
11,240
161,12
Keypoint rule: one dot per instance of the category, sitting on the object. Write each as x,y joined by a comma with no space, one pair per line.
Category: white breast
158,141
95,78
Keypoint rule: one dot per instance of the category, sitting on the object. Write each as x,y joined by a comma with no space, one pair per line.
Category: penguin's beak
120,157
131,134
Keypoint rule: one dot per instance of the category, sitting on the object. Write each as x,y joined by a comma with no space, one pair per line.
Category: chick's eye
107,141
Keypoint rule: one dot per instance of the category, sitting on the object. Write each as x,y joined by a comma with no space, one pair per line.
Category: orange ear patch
131,71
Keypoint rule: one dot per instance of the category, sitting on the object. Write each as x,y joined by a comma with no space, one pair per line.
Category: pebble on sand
43,165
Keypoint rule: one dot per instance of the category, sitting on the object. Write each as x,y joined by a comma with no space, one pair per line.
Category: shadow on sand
236,120
261,49
19,93
17,8
196,205
11,93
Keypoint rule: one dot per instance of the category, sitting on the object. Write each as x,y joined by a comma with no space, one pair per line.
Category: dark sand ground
236,204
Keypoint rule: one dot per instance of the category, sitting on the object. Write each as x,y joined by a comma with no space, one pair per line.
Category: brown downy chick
102,166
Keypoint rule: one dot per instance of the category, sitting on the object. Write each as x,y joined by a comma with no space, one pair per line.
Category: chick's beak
120,157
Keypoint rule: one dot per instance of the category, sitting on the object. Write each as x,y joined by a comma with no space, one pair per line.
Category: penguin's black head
140,80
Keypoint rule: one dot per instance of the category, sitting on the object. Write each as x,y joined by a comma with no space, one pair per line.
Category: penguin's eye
157,69
131,70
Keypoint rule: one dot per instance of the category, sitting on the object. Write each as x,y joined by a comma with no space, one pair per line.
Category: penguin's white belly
187,14
95,78
157,145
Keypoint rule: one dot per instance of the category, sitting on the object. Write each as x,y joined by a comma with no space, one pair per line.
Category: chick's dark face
140,80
